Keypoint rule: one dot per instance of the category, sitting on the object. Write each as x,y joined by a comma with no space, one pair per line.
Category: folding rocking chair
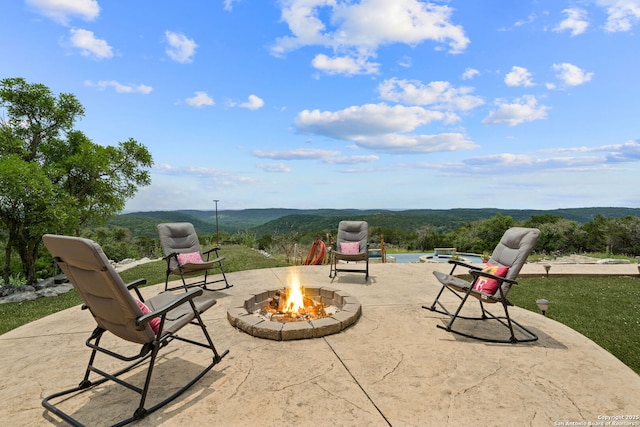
490,285
352,244
185,258
152,324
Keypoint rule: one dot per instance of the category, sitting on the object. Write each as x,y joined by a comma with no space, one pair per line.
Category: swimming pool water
404,258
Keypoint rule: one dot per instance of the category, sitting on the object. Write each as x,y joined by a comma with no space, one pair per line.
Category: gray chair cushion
513,250
181,238
353,231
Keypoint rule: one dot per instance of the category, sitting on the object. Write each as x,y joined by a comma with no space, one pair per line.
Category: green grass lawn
237,258
605,309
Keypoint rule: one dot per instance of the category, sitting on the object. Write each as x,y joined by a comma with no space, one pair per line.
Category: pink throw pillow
350,248
155,322
190,258
487,285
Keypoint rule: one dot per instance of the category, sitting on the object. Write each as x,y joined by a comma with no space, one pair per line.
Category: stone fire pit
241,315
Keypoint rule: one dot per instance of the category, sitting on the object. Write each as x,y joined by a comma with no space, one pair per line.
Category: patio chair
185,258
151,324
351,245
490,285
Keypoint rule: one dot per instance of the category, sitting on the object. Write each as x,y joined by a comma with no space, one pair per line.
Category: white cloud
181,48
623,14
521,22
275,168
383,128
371,23
470,73
439,94
217,175
356,30
355,123
254,103
228,4
524,109
354,160
408,143
119,87
518,76
61,11
200,99
523,163
571,74
405,61
583,160
89,45
627,152
325,156
344,65
297,154
576,21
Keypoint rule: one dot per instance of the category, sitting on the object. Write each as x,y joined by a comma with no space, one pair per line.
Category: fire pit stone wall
240,315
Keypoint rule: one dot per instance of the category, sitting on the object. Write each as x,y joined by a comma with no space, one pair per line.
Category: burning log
292,305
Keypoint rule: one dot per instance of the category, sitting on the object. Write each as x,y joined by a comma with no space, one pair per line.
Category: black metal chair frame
335,256
216,263
467,290
149,351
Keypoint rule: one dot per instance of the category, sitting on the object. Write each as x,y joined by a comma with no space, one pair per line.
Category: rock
613,261
19,297
50,287
55,291
46,283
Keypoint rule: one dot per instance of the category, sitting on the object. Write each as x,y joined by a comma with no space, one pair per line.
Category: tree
54,179
483,235
29,207
561,236
595,238
427,238
623,235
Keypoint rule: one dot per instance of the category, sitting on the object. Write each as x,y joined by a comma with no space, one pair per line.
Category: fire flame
292,305
295,299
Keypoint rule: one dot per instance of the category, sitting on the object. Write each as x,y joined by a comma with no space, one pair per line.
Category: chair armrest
457,263
217,256
136,283
180,299
462,264
476,273
171,255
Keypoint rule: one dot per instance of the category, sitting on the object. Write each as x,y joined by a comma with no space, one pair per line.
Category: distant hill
269,221
145,223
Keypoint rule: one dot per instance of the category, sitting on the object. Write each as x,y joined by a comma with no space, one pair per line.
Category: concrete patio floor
393,367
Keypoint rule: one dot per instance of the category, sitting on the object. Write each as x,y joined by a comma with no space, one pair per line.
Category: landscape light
543,305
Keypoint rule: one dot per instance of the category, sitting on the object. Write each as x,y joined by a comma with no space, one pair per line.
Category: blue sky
350,104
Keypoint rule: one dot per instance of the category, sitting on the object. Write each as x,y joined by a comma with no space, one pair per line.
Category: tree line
619,236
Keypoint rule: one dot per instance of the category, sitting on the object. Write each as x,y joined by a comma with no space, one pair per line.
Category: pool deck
392,368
